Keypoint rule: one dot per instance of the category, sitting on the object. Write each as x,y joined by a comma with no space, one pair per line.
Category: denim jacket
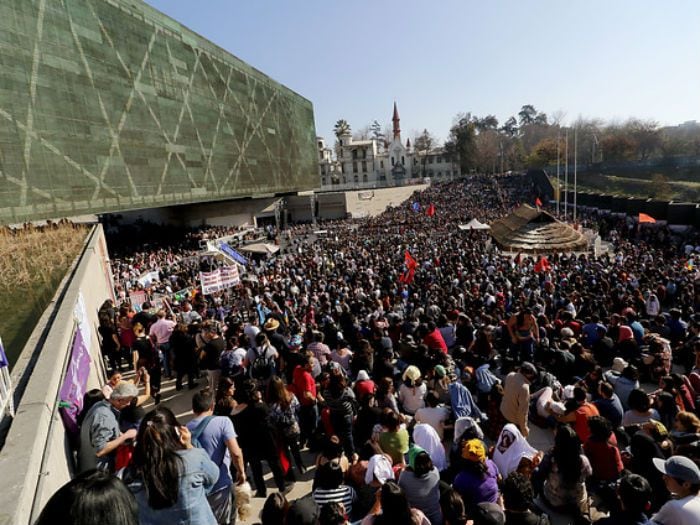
198,476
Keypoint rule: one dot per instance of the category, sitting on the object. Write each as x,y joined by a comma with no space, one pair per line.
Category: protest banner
146,279
219,279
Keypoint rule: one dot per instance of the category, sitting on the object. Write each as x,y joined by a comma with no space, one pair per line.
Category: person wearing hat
682,478
272,328
477,482
412,391
99,433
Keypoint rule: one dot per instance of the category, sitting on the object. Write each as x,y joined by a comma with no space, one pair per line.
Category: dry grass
33,260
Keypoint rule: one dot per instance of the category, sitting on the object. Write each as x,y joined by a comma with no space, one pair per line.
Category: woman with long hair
167,475
94,497
565,469
392,507
148,359
284,413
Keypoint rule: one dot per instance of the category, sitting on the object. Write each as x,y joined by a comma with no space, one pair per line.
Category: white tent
260,248
474,224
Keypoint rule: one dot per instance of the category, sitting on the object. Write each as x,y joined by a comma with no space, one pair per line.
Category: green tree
341,128
544,153
462,142
423,144
527,114
376,129
510,127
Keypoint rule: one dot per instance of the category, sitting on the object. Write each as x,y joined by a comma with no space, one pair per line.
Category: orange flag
643,217
538,202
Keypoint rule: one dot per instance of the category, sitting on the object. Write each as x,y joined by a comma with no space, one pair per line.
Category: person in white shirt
433,414
682,478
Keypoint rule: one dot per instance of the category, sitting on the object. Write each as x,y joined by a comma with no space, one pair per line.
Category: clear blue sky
596,58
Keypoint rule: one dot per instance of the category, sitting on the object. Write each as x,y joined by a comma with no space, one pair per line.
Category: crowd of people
414,359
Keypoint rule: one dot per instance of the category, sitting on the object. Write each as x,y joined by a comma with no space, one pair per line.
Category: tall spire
395,119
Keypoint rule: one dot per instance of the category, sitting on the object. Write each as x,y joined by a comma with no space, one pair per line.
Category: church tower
395,119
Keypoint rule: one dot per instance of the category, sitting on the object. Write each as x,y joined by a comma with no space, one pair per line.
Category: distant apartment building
380,162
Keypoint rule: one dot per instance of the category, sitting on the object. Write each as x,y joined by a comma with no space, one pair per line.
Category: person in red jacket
602,451
433,338
304,386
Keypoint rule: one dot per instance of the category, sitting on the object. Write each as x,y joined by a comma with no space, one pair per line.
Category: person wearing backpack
261,359
217,437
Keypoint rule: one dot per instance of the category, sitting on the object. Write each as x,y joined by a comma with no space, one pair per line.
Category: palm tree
341,127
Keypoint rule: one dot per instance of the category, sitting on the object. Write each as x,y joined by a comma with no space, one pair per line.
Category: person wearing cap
515,405
682,478
99,433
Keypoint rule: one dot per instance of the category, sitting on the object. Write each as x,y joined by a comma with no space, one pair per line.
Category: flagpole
575,173
558,183
566,174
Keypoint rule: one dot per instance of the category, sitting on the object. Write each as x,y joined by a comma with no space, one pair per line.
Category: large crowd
414,359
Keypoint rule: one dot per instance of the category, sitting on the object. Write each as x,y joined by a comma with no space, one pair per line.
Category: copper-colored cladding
530,230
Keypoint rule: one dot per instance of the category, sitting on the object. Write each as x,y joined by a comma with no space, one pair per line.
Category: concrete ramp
369,203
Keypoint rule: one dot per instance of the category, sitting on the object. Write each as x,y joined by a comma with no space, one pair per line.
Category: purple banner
74,384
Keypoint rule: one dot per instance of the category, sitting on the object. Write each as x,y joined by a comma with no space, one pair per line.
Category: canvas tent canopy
260,248
474,224
533,230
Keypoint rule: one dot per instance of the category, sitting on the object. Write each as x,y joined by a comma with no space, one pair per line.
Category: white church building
380,162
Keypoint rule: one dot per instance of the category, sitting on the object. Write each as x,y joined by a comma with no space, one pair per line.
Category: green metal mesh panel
110,105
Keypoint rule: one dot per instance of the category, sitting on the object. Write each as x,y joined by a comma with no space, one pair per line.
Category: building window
381,164
354,167
430,160
439,174
364,178
364,153
403,163
354,154
340,142
356,178
364,165
392,161
323,170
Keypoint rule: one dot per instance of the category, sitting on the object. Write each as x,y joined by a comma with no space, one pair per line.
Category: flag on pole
4,362
644,218
538,202
415,206
430,211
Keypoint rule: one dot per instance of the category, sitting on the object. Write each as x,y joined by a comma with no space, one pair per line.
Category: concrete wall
35,459
686,213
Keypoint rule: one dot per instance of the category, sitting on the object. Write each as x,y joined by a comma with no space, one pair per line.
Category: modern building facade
380,162
109,105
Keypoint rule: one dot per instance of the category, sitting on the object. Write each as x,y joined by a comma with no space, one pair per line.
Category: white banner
147,278
219,279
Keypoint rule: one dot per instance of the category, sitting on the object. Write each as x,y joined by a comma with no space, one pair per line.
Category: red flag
410,262
542,265
643,217
430,211
538,202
